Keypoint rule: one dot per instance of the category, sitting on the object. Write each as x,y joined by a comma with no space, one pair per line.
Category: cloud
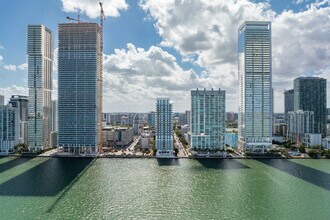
133,78
207,31
13,90
91,8
1,58
14,68
10,67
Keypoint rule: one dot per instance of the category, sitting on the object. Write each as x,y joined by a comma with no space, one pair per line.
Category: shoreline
153,157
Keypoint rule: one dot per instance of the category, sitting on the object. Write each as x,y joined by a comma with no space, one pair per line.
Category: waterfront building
310,94
288,102
208,120
54,115
40,67
255,86
300,123
152,119
9,128
313,140
164,127
79,87
22,104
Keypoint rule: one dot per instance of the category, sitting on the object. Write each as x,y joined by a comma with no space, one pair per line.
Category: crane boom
73,19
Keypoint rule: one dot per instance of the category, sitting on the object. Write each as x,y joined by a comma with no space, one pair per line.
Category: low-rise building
312,140
117,136
145,141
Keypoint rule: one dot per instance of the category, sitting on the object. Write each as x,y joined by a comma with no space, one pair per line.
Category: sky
157,48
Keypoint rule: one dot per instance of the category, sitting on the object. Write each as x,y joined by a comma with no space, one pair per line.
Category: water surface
67,188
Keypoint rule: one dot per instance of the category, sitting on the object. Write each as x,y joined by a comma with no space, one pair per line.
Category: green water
64,188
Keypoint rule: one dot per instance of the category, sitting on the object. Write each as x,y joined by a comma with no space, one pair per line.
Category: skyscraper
40,67
288,102
164,127
255,86
22,103
208,120
79,87
310,94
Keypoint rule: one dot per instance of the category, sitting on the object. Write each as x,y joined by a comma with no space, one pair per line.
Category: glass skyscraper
40,67
79,87
208,120
255,86
310,94
164,127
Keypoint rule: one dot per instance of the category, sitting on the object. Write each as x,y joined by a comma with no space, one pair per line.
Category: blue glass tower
79,87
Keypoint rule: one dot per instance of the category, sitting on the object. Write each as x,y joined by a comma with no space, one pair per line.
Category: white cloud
1,58
207,31
135,77
13,90
14,68
91,8
10,67
23,66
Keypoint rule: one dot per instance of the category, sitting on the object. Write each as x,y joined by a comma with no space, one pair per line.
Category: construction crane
102,17
73,19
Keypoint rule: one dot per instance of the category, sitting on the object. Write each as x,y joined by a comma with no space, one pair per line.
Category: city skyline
136,39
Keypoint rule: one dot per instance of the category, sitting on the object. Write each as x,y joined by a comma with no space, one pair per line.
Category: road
178,144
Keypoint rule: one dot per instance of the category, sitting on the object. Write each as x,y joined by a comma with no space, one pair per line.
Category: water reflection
216,163
311,175
168,162
45,179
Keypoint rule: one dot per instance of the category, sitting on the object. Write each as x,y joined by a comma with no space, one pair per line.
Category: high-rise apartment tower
40,67
255,86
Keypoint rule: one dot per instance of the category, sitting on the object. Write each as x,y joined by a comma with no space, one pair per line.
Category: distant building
312,140
2,100
145,141
40,46
300,123
231,139
164,127
188,117
118,137
328,121
22,103
208,121
151,119
79,87
230,116
9,128
255,86
54,115
310,94
183,119
288,102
